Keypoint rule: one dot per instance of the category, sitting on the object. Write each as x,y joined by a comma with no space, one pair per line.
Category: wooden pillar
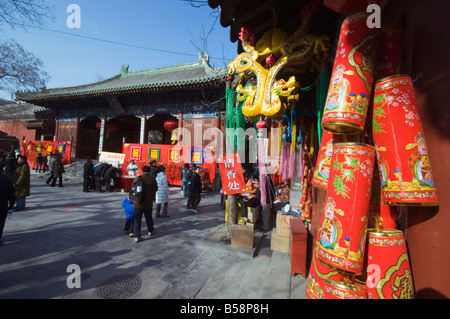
56,136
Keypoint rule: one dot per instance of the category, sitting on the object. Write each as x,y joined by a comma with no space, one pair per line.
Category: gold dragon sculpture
268,95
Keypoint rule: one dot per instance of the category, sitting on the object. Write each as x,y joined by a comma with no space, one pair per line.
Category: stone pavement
65,226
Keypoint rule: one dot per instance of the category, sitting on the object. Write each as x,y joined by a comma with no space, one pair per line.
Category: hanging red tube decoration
318,273
388,268
351,82
342,290
403,163
345,213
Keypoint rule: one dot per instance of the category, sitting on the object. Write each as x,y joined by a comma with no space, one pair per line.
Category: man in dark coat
145,206
6,196
39,163
153,168
110,173
10,164
21,181
88,174
196,189
99,172
58,170
189,175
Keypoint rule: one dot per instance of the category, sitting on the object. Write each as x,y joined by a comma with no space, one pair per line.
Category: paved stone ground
65,226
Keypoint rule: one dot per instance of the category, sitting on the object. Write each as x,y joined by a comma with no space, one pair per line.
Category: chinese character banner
231,174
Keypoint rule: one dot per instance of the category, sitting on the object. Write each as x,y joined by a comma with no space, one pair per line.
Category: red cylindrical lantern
318,273
404,166
170,124
345,213
388,269
322,169
391,51
351,82
342,290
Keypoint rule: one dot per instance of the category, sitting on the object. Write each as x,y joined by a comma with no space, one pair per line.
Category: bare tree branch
20,69
24,12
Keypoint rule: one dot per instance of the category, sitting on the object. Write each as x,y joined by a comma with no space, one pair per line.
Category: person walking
88,174
184,178
45,162
127,204
58,170
21,182
196,189
51,160
162,195
7,195
145,205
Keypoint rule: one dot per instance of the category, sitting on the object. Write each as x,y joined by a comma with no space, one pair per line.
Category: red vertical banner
231,174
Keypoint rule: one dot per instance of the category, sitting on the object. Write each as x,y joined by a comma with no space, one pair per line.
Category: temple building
143,107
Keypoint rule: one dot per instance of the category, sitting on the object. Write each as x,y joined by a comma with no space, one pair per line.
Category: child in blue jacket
129,214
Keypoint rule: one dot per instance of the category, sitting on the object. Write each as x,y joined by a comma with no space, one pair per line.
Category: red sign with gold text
231,175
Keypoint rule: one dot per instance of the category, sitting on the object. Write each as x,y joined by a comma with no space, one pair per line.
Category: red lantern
110,126
260,125
403,163
388,268
342,290
318,273
350,87
345,213
170,124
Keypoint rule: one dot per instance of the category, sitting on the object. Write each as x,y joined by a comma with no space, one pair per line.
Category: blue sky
169,25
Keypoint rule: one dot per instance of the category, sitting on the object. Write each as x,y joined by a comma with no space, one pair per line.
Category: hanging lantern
350,87
318,273
110,126
170,124
404,166
345,213
342,290
388,268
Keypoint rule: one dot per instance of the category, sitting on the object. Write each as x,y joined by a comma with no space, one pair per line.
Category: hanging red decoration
170,124
110,126
260,125
270,60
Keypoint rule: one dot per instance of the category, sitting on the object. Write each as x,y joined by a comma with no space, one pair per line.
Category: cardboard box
242,236
253,214
279,243
283,224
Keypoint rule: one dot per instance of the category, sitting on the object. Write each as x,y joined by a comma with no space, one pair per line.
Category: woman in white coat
162,194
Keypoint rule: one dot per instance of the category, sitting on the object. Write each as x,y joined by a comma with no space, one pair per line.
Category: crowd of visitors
14,185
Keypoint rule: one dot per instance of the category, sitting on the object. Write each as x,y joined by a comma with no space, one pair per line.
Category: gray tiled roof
18,112
197,73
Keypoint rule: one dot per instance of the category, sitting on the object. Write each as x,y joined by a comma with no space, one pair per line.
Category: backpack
136,191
